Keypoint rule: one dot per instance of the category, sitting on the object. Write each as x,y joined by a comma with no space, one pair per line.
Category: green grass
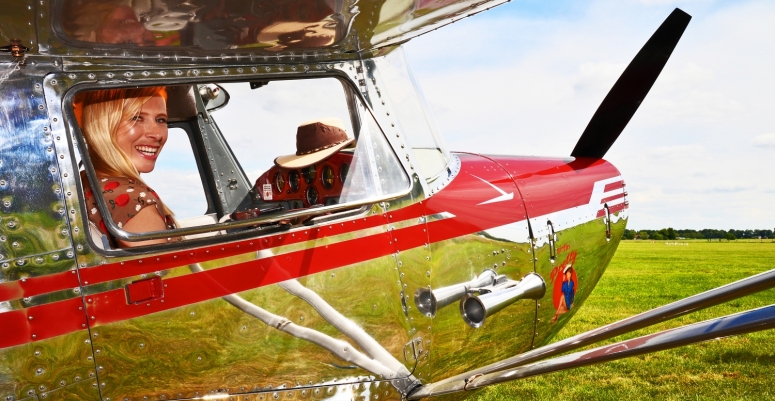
645,275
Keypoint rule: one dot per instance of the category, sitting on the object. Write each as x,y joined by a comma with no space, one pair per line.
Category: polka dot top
125,198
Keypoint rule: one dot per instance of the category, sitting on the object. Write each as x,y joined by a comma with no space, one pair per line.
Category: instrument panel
318,184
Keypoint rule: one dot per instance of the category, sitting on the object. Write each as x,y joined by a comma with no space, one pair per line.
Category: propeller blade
633,85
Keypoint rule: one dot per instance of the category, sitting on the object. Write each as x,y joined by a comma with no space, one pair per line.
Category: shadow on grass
746,356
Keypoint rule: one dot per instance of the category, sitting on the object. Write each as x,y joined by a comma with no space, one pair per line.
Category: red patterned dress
125,198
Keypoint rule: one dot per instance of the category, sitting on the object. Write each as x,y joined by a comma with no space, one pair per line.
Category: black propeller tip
631,88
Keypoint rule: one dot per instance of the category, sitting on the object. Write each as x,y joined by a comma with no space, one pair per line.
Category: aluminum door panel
473,226
210,345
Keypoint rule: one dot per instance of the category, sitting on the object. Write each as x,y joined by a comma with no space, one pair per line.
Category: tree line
707,233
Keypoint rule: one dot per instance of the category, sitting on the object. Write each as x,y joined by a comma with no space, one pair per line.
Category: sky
525,78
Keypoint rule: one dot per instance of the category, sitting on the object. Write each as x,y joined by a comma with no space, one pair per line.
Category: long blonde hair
100,113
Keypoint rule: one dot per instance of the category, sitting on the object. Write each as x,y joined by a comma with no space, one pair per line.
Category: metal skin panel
585,248
12,27
474,236
35,245
378,390
212,31
213,346
571,194
86,390
233,349
55,364
33,215
407,225
235,353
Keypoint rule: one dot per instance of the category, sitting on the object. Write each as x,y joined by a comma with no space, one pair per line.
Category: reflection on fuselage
205,24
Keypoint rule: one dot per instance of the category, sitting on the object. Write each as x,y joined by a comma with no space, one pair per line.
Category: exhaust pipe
429,302
475,309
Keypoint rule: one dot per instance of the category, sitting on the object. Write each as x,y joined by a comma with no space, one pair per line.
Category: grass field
644,275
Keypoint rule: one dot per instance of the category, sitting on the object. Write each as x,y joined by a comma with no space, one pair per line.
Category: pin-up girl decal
565,291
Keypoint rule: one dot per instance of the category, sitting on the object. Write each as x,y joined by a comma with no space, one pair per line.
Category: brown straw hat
316,141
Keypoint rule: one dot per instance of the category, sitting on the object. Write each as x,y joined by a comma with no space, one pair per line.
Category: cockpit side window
346,159
411,112
211,159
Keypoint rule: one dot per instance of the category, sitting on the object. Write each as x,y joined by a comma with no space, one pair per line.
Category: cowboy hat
316,140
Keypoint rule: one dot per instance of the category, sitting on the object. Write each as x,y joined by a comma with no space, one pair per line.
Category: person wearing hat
568,292
316,140
568,287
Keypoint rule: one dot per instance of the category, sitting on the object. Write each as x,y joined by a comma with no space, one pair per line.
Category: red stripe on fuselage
552,185
111,306
148,264
32,286
612,209
41,322
613,186
613,197
460,198
465,197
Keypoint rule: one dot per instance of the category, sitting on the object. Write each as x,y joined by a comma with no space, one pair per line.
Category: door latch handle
144,290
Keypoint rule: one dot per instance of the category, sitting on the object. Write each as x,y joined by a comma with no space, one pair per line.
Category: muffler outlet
428,302
475,309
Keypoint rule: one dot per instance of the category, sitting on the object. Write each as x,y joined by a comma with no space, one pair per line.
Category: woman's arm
146,220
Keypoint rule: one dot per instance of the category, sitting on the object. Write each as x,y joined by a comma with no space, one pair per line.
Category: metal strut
730,325
737,289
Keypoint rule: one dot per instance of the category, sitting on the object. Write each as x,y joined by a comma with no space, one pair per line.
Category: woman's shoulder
123,190
111,183
108,183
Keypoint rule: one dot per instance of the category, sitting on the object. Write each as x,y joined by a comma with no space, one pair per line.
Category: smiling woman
125,130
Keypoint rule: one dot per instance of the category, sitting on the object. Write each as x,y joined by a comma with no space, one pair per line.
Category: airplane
367,262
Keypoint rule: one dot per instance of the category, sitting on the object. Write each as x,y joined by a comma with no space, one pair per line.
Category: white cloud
599,75
726,189
677,151
765,140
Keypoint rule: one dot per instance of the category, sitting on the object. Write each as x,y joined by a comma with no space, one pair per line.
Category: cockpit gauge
327,177
343,170
293,180
312,196
279,182
315,185
309,174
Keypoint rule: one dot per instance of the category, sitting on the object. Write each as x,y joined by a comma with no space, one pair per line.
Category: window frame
258,226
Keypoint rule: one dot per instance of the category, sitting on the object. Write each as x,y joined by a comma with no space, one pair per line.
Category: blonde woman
125,130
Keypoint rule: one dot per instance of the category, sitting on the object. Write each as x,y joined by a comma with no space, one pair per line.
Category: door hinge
413,349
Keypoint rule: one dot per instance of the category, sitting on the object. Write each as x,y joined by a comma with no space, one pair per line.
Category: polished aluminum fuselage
314,311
